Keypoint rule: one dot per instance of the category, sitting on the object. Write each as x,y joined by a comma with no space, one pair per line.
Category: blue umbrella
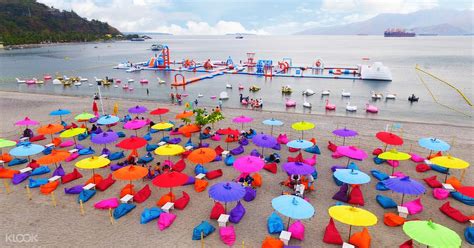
272,122
298,168
227,192
107,120
293,207
26,150
299,144
434,144
60,112
350,176
404,185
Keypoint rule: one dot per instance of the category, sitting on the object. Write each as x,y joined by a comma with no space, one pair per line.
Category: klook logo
21,238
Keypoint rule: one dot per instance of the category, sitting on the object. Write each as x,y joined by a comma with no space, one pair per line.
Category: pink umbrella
26,122
242,119
134,125
352,152
248,164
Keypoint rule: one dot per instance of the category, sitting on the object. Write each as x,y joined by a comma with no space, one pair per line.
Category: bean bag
82,136
86,195
336,155
48,187
453,213
270,242
204,229
203,136
107,203
469,235
273,158
165,139
385,202
216,211
392,219
199,169
105,183
439,169
454,182
297,230
250,194
275,224
168,197
254,153
356,197
145,159
217,158
200,185
33,164
271,167
191,180
218,150
399,174
277,147
71,176
7,173
17,161
377,151
244,141
432,182
214,174
182,202
59,171
216,137
168,163
227,235
414,207
74,190
37,138
393,163
298,158
407,244
147,137
95,179
47,150
150,214
378,160
361,239
331,234
179,166
341,195
336,167
440,194
381,186
116,156
331,146
35,183
151,147
72,157
311,161
422,168
352,166
165,220
127,190
40,171
434,155
291,149
237,213
20,177
237,151
6,157
314,150
416,158
142,195
174,141
86,151
282,139
257,180
229,160
123,209
202,145
462,198
379,175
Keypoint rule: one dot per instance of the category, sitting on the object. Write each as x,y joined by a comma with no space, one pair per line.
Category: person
220,104
157,168
196,102
94,128
218,109
172,97
260,103
147,92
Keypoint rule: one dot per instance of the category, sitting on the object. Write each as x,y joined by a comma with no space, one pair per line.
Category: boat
161,81
286,89
290,103
20,81
118,81
325,92
398,32
213,97
156,47
241,87
98,80
413,98
223,95
47,77
38,81
130,80
391,97
116,86
308,92
228,86
138,39
90,85
65,77
254,88
239,36
81,79
307,104
371,108
77,83
376,71
330,106
133,69
125,86
351,108
122,66
30,81
200,95
345,93
185,95
144,81
376,96
57,81
130,88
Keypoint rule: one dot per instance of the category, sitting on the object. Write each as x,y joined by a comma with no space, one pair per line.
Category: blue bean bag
381,186
341,195
275,224
462,198
244,141
229,160
204,228
237,151
86,151
74,190
116,155
469,234
150,214
151,147
147,137
315,174
123,209
277,147
378,160
204,136
352,166
86,195
40,170
250,194
121,134
217,158
154,131
82,136
200,169
47,150
385,201
237,213
379,175
145,159
35,183
439,169
17,161
165,139
189,143
336,181
314,150
20,177
255,153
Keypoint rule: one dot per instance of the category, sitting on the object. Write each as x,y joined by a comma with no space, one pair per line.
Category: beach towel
165,220
105,183
74,190
128,189
432,182
35,183
123,209
361,239
142,195
271,167
385,202
440,194
20,177
297,230
237,213
168,197
216,211
182,202
86,151
434,155
453,213
331,234
200,185
275,224
47,150
151,147
37,138
71,176
250,194
391,219
414,207
33,164
291,149
204,229
270,242
150,214
86,195
393,163
227,235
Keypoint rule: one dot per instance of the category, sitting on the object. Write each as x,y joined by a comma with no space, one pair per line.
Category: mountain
438,21
28,22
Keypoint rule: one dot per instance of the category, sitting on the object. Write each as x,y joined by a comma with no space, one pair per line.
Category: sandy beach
63,225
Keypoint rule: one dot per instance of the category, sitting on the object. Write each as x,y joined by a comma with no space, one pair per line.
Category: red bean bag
71,176
142,195
179,166
37,138
168,197
432,182
7,173
407,244
218,150
33,164
217,210
200,185
214,174
182,202
356,197
377,151
95,179
49,187
298,158
271,242
72,125
331,234
257,180
391,219
422,168
331,146
291,149
127,190
361,239
105,183
185,154
313,140
271,167
434,155
6,157
453,213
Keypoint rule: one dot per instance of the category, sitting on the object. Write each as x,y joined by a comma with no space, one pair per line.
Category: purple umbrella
298,168
248,164
344,133
264,141
227,192
405,185
104,138
137,110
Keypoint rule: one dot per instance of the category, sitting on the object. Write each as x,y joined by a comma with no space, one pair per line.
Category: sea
448,58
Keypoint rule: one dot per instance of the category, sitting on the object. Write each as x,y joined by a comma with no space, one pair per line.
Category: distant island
30,22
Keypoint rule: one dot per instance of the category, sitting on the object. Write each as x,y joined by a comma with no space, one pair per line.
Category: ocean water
450,58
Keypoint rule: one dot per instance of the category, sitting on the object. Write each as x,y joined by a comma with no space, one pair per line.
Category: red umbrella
170,179
389,139
132,143
159,111
228,131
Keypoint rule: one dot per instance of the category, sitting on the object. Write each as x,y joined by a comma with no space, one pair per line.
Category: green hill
29,22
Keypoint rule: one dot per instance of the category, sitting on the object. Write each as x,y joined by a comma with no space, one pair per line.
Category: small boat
81,79
90,85
307,104
20,81
47,77
325,93
286,89
38,81
371,108
308,92
125,86
130,80
133,69
98,80
345,93
228,86
376,96
223,95
30,81
241,87
144,81
66,77
118,81
77,83
130,88
391,96
330,106
116,86
57,81
200,95
213,97
156,47
185,95
351,108
161,81
290,103
254,88
413,98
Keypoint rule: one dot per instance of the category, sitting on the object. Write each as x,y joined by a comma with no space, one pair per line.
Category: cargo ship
398,32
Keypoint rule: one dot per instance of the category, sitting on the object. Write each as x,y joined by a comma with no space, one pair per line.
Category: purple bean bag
255,153
174,141
92,120
74,190
191,180
98,130
20,177
244,141
335,167
250,194
277,147
79,147
203,145
105,151
237,213
59,171
341,195
115,167
237,151
217,158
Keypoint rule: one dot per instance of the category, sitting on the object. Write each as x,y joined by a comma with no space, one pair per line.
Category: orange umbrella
202,155
130,173
188,129
54,157
50,129
185,114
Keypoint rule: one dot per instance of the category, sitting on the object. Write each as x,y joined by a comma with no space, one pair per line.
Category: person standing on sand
147,92
220,104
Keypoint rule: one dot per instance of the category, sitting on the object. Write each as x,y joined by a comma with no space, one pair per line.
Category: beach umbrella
351,176
299,144
60,113
293,207
248,164
352,216
352,152
26,122
264,141
26,150
137,110
169,150
228,131
302,126
431,234
108,120
189,129
467,191
202,155
132,143
242,119
272,122
162,126
84,116
389,139
50,129
434,144
115,110
159,112
130,172
226,192
92,163
6,143
105,138
184,114
404,186
54,157
170,179
298,168
344,132
134,125
394,155
449,162
73,132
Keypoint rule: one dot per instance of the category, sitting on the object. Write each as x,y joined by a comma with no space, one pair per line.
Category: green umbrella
84,116
6,143
431,234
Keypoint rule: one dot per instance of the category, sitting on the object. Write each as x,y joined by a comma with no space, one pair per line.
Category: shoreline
40,45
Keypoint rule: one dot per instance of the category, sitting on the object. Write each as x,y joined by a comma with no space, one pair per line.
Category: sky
211,17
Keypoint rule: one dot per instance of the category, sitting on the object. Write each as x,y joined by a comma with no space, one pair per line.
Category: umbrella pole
225,207
446,176
93,177
302,134
7,187
74,138
393,170
262,152
350,230
343,141
348,161
403,197
271,130
288,224
385,148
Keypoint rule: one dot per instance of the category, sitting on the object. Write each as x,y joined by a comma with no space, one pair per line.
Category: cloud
203,28
372,7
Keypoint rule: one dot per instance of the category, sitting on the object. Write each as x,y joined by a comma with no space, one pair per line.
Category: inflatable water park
257,67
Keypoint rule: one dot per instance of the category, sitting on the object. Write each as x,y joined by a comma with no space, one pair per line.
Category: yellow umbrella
352,216
84,116
169,150
302,126
92,163
450,162
162,126
394,155
73,132
115,109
